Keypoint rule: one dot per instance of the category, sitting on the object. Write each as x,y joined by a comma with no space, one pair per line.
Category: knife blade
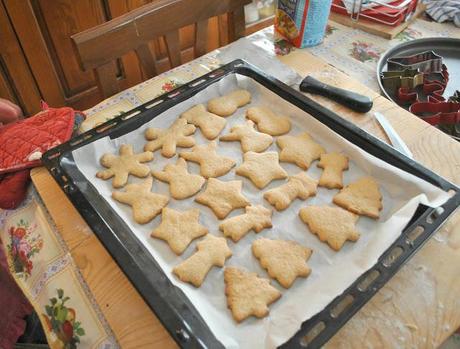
395,140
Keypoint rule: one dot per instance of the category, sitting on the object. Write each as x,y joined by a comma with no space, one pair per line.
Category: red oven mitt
23,143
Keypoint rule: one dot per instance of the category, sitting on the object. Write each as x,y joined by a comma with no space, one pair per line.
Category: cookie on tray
177,135
362,197
210,124
120,167
333,225
248,294
211,163
228,104
301,150
284,260
256,218
178,228
299,186
333,165
268,122
211,251
222,197
250,139
182,184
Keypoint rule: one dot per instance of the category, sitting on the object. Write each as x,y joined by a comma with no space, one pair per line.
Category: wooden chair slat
147,59
236,24
173,46
106,77
201,33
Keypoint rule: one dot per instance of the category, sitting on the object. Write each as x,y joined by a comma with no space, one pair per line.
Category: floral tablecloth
39,259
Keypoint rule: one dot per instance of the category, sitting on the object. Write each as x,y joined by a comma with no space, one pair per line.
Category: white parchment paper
332,272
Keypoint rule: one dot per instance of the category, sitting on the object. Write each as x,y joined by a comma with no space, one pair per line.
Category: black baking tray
170,305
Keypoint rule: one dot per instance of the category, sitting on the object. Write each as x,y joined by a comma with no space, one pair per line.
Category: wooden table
418,308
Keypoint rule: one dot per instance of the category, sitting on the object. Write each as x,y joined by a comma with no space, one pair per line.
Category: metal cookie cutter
432,89
427,61
407,78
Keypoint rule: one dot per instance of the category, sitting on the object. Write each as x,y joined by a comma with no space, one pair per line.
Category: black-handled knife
347,98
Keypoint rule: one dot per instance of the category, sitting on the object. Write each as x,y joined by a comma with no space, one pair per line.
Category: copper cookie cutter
427,61
407,78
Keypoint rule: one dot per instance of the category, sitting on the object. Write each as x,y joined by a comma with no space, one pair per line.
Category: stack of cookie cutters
423,73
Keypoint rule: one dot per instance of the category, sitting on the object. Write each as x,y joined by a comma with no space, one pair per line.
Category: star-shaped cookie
120,167
211,163
256,218
145,204
333,225
284,260
178,229
250,139
177,135
210,124
222,197
182,184
211,251
262,168
248,294
301,150
362,197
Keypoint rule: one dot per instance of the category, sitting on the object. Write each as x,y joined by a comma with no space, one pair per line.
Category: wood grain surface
418,308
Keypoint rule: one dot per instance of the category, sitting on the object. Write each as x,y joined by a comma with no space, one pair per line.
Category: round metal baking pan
448,48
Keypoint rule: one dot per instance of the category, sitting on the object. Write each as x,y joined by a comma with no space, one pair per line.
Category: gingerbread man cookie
211,251
210,124
120,167
182,184
177,135
250,139
256,218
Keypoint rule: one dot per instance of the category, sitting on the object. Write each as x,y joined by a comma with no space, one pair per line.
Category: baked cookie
177,135
222,197
301,150
268,122
182,184
211,251
145,204
284,260
262,168
120,167
256,218
250,139
362,197
333,164
299,186
210,124
247,294
228,104
333,225
178,229
211,163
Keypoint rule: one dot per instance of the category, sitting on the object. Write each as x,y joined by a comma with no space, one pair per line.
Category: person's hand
9,112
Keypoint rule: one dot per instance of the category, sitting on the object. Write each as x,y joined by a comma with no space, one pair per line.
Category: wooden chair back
98,48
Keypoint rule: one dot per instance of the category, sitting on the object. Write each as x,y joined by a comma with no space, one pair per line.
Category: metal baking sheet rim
173,309
419,44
